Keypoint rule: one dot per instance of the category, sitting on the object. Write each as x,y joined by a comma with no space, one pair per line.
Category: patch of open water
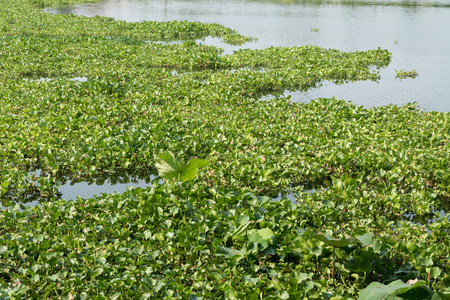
88,189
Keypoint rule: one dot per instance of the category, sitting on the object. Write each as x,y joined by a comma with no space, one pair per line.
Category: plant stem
334,263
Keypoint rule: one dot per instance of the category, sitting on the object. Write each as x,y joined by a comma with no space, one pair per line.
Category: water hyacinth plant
401,74
87,98
170,168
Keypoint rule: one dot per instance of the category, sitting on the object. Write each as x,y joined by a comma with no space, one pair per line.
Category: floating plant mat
183,241
210,236
415,45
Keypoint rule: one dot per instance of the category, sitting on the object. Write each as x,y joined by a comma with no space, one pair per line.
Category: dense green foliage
91,98
187,241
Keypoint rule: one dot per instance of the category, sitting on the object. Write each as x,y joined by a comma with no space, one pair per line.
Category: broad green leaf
160,285
379,291
301,276
365,239
101,260
115,295
260,236
248,278
435,272
240,230
243,219
53,277
342,242
191,170
284,295
111,219
426,262
170,168
137,250
147,234
229,252
440,295
265,233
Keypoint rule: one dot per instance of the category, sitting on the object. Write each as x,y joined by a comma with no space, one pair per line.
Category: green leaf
365,239
441,295
379,291
191,170
170,168
435,272
137,250
240,230
147,234
229,253
111,219
101,260
338,243
249,278
265,233
242,219
426,262
284,295
54,277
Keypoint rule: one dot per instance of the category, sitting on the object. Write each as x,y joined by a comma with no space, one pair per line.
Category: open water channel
416,33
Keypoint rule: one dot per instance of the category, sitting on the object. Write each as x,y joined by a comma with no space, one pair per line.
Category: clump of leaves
401,74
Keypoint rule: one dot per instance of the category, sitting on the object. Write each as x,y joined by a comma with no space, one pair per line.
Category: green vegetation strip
183,241
211,236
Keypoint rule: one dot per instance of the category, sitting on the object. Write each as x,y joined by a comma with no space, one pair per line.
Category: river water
416,33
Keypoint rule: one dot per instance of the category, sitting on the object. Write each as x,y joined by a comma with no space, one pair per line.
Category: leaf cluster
401,74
